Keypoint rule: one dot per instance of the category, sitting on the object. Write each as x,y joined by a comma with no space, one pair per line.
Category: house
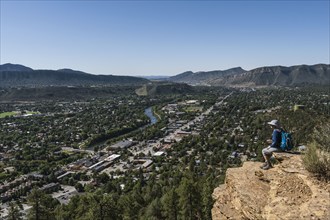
159,153
241,145
147,163
183,133
35,176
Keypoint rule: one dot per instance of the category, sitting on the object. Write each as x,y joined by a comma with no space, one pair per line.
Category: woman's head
274,123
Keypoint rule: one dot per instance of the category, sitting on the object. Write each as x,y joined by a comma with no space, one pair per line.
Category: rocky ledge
286,191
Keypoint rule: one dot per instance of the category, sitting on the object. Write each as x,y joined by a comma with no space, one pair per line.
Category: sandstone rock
286,191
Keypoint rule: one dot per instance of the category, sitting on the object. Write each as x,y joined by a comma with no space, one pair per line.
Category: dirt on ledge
286,192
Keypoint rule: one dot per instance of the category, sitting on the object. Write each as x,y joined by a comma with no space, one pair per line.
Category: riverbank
148,112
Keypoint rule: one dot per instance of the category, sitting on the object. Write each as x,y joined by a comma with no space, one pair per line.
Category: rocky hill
12,75
204,78
264,76
287,191
14,67
281,76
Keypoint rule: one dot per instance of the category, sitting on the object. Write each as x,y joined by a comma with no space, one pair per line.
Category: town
67,149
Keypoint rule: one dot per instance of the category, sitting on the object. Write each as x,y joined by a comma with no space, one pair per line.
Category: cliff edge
286,191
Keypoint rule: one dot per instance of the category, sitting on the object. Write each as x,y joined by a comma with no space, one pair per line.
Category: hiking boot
267,167
263,165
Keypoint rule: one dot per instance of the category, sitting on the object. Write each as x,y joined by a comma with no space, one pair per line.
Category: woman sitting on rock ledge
275,144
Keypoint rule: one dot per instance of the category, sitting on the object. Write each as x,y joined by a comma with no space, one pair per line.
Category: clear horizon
145,38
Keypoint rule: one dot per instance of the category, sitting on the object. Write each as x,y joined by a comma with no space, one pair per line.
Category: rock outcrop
286,191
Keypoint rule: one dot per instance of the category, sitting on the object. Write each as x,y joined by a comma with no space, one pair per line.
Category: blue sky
163,37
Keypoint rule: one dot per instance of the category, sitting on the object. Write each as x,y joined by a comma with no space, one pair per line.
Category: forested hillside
11,76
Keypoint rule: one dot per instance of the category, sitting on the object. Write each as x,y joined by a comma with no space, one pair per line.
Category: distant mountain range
264,76
14,75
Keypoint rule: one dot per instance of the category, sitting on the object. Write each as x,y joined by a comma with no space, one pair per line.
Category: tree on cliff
170,204
207,200
189,199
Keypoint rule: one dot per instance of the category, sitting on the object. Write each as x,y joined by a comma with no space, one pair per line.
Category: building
122,144
51,187
183,133
147,163
113,157
159,153
192,102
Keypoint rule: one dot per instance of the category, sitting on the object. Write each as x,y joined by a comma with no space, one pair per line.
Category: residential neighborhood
79,156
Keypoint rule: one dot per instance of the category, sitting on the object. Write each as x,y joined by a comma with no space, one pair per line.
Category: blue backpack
286,143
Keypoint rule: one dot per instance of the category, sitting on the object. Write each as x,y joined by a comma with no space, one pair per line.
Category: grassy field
8,114
194,108
142,91
5,114
3,176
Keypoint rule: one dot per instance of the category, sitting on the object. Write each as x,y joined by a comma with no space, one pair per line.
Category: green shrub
317,157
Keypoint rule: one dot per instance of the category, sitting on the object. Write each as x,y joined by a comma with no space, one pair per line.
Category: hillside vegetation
205,78
164,88
63,93
317,157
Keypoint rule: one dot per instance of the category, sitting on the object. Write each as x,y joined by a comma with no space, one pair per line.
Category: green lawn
3,176
5,114
142,91
194,108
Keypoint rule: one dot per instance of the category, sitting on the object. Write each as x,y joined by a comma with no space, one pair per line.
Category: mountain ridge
282,76
202,77
14,75
67,70
262,76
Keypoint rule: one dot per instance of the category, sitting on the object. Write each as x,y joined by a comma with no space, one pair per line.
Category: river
148,112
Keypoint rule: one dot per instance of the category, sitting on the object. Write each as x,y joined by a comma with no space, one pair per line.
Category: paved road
199,118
